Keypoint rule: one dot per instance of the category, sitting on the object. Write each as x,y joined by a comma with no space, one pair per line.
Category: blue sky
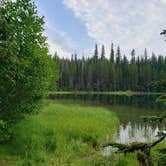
76,25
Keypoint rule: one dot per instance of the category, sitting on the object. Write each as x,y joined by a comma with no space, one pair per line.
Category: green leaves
5,132
26,69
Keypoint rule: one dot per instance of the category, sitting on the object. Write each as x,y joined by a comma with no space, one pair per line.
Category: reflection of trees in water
110,99
137,132
133,114
129,110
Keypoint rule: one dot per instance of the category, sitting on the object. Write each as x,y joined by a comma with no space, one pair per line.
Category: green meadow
61,134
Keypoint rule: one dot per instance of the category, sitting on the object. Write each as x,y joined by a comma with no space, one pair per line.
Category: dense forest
98,73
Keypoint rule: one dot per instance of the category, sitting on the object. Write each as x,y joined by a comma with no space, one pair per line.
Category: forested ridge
99,73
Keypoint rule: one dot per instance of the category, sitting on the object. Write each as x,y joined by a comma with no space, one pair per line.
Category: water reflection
109,99
129,110
136,133
133,133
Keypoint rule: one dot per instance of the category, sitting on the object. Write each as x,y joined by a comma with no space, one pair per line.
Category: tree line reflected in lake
129,110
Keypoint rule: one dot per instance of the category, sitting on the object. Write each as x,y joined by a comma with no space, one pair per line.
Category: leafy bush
26,69
5,131
161,99
157,86
61,134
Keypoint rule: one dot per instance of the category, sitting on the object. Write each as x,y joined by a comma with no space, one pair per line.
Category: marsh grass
118,93
61,134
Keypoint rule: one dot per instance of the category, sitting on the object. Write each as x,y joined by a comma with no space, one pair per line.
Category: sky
75,26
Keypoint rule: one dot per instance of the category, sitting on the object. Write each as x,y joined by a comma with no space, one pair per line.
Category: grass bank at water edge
61,134
119,93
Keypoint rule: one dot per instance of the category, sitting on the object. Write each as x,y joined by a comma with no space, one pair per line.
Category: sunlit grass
64,133
61,134
119,93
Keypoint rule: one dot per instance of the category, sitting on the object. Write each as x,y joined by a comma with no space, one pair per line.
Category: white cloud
54,47
163,1
58,41
131,24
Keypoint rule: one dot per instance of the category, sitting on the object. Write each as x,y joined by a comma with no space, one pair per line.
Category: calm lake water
129,110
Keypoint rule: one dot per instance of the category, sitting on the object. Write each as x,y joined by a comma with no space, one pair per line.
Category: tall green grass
61,134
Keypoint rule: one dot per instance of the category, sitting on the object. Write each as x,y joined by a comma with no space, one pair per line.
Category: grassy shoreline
127,93
61,134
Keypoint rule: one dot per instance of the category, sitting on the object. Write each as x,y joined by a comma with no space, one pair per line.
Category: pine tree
145,55
96,54
102,53
118,56
109,75
112,53
132,56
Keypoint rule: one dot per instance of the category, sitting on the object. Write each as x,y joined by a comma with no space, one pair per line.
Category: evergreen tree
145,55
118,56
112,53
96,54
102,74
102,53
133,56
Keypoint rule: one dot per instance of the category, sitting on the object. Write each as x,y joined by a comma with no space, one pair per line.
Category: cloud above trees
131,24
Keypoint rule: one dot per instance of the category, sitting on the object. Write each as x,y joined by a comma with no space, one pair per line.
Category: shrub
26,69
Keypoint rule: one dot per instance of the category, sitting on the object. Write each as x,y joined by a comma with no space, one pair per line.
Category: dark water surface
129,110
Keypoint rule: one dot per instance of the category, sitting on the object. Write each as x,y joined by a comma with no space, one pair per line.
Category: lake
129,110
